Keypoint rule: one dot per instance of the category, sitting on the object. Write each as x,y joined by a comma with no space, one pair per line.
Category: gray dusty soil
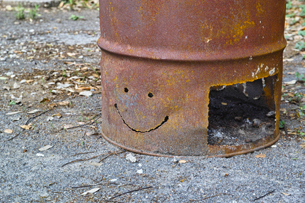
38,57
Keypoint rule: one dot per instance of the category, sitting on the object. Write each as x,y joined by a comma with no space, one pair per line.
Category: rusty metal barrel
191,77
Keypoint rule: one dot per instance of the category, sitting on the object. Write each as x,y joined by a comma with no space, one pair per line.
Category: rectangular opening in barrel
241,113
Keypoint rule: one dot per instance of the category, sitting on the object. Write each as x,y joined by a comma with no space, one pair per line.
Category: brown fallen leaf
260,155
44,100
63,103
52,105
302,145
82,88
182,180
58,115
71,54
29,81
26,127
68,126
8,131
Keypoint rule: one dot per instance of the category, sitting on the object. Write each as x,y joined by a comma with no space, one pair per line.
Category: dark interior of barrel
241,113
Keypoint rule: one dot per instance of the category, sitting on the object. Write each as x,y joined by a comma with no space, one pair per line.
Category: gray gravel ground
30,175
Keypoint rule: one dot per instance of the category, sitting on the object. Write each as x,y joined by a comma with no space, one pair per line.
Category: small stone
131,158
39,154
270,114
238,118
256,122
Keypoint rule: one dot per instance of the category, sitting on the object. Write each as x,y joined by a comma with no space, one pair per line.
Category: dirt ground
51,149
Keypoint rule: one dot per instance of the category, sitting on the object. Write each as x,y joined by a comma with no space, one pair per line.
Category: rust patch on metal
161,58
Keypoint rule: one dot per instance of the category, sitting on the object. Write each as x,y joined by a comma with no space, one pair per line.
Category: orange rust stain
206,31
235,24
149,10
259,7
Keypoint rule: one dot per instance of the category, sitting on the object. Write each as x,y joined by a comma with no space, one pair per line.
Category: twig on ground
82,153
200,200
32,118
104,183
28,121
112,153
131,191
108,154
270,192
77,160
95,119
86,185
219,141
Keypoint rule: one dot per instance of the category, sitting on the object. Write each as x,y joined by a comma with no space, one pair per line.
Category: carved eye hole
150,95
126,89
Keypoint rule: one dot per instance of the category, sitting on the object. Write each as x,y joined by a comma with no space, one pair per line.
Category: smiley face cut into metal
150,95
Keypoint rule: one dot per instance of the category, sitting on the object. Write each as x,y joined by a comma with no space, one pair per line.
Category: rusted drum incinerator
191,77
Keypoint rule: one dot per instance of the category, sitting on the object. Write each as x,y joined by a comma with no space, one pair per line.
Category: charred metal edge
139,131
198,156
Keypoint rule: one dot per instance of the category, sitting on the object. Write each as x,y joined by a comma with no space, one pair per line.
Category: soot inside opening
241,113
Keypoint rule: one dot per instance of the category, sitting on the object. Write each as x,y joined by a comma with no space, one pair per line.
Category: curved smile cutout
140,131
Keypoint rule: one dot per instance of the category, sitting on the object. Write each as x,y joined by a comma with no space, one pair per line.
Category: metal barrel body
161,58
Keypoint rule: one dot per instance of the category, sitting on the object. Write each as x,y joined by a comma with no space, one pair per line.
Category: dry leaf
86,93
91,133
91,191
63,103
29,81
58,115
260,155
16,85
302,145
182,162
292,82
95,164
44,100
223,103
34,111
286,194
63,86
3,78
182,180
71,54
68,126
52,105
8,131
84,88
26,127
13,113
45,148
